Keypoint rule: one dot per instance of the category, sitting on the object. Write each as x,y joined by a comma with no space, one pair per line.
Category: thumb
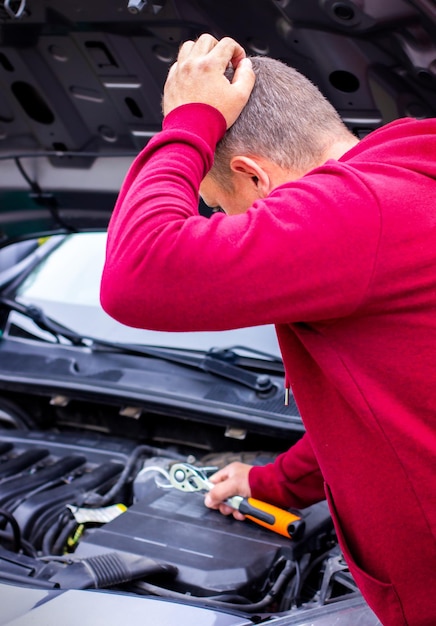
240,89
244,76
219,476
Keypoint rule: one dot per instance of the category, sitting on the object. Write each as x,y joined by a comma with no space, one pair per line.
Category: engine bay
82,509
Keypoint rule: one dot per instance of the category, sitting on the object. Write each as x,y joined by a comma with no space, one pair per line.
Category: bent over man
331,239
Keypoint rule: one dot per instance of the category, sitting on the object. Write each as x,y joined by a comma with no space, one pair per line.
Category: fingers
213,502
200,47
204,44
230,481
198,76
228,50
224,50
224,509
186,49
184,52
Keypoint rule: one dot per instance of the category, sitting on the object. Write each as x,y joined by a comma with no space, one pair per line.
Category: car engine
82,509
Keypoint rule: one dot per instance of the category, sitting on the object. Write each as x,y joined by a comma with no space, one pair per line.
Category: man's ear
252,173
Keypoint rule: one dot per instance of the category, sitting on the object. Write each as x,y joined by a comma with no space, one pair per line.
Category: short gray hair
286,119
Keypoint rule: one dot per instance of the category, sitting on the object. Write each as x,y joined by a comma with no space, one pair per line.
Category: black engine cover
213,553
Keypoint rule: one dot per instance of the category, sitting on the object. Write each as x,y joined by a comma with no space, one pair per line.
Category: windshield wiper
217,362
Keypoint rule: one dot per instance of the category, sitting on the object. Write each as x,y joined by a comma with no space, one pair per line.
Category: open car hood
81,83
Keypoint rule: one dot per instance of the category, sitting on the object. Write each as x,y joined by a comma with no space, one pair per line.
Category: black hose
49,539
289,597
307,572
44,523
96,499
50,536
16,532
61,541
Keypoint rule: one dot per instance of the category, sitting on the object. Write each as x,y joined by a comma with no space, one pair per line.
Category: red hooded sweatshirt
343,262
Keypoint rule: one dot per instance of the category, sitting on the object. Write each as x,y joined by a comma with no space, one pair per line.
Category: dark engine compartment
83,510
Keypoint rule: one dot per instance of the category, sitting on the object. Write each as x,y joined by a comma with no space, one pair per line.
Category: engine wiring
95,499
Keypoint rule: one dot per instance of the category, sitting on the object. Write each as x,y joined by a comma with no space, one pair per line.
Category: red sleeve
159,193
293,480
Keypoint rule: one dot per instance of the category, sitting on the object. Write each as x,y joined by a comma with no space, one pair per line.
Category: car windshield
66,286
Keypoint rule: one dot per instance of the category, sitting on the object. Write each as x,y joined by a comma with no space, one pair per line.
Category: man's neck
339,148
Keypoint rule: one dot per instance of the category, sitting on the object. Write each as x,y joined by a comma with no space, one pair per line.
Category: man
332,240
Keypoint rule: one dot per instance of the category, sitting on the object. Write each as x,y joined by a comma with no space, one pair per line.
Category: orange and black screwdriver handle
272,517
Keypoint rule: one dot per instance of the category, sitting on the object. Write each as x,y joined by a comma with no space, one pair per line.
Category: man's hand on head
198,75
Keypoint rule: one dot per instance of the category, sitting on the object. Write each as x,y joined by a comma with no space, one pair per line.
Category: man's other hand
230,481
198,75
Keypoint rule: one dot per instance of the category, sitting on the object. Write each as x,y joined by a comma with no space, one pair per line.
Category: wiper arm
214,362
37,315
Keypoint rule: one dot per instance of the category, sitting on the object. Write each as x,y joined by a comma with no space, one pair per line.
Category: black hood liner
87,76
81,84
